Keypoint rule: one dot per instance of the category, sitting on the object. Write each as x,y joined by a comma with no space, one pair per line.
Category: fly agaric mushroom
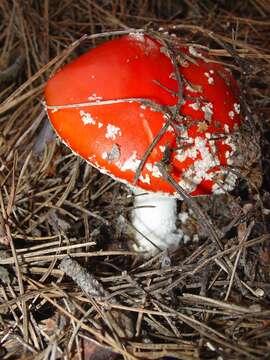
111,103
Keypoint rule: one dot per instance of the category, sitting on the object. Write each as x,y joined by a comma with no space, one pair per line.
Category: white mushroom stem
154,220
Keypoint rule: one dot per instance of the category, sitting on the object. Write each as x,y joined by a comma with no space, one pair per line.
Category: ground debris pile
71,287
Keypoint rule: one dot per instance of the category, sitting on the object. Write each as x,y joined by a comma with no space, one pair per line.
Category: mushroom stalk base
154,220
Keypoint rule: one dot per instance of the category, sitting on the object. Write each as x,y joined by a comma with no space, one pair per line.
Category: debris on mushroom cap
114,135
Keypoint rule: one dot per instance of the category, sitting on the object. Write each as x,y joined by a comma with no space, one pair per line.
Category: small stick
167,110
119,323
86,281
206,221
143,101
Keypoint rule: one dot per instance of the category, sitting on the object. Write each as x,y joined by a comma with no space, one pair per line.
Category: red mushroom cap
115,136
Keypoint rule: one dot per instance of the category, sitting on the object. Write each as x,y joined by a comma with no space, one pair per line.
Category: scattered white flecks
154,170
112,132
141,115
182,154
195,106
104,155
143,107
93,76
145,179
231,114
183,216
229,157
91,158
186,182
95,97
226,128
194,52
213,147
236,108
184,134
200,169
211,71
87,118
207,160
210,79
112,155
160,29
208,135
230,141
208,111
132,163
137,35
104,171
162,148
227,184
54,110
100,124
170,129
